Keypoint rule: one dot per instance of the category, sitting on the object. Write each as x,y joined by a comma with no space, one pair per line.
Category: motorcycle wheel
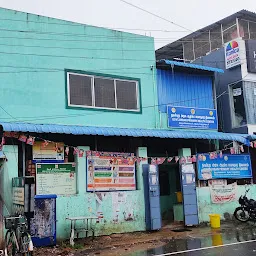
241,214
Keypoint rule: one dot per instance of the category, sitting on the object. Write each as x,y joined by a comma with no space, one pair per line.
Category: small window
80,90
102,92
237,105
126,94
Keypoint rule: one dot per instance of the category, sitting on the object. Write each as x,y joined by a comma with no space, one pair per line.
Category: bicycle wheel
10,248
25,245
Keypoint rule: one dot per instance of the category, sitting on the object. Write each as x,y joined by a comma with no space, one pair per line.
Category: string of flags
30,140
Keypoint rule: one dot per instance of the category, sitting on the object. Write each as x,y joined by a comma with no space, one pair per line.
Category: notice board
110,171
59,179
225,167
50,152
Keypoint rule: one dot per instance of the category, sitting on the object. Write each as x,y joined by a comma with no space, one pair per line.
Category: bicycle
17,239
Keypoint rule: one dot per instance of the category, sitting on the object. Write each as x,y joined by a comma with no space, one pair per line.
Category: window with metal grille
102,92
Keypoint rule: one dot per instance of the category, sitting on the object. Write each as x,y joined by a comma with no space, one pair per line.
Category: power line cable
145,107
155,15
78,24
82,57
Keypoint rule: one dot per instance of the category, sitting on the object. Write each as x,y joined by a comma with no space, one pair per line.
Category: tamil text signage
225,167
192,118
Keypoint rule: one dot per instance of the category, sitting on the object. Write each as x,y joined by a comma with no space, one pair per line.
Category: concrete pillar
81,171
141,152
184,152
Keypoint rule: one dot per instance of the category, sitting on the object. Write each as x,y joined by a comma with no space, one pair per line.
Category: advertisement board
23,192
48,152
110,172
251,55
59,179
232,54
227,167
195,118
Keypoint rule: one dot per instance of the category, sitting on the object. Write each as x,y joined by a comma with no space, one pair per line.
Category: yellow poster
48,153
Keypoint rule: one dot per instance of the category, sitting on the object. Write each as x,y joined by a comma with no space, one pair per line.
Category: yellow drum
215,220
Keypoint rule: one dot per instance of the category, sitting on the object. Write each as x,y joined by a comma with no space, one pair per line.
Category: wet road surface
237,242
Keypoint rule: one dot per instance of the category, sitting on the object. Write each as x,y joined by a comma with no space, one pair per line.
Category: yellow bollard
215,220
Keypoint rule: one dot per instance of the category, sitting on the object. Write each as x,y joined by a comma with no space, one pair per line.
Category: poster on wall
223,194
110,171
23,195
232,54
196,118
48,152
225,167
59,179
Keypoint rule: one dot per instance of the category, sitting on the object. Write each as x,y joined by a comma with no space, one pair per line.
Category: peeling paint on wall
122,207
99,200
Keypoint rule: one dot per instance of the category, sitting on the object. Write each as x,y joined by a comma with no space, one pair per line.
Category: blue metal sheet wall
183,89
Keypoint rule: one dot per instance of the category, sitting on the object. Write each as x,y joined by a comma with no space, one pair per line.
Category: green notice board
59,179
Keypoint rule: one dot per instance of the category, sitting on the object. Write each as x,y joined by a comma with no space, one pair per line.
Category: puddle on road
217,238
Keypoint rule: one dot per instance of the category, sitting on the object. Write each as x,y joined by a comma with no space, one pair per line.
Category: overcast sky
191,14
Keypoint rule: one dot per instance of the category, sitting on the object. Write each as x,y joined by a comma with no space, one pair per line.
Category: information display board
226,167
196,118
59,179
48,152
110,171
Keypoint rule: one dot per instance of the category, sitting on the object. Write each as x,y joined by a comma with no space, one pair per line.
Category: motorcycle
247,210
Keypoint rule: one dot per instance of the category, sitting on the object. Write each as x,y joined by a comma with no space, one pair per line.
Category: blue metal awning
190,65
132,132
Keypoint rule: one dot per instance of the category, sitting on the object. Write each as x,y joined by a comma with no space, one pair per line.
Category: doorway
170,184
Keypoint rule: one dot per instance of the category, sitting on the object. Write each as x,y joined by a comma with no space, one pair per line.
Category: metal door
189,194
152,197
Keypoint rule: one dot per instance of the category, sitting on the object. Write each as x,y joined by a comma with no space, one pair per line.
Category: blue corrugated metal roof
111,131
191,65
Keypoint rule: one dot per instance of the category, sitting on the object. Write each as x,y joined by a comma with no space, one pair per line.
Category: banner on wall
196,118
223,194
225,167
49,152
110,171
59,179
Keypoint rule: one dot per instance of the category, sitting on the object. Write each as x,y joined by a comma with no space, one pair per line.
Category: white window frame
93,93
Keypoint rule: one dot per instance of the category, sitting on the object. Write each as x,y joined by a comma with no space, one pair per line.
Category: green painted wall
36,50
87,204
206,207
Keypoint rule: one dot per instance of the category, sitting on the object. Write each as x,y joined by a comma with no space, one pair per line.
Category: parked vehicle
247,209
17,239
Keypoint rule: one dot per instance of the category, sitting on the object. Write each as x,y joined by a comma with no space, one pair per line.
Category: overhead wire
155,15
116,111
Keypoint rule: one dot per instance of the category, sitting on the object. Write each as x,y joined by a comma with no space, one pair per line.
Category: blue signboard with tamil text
192,118
225,167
